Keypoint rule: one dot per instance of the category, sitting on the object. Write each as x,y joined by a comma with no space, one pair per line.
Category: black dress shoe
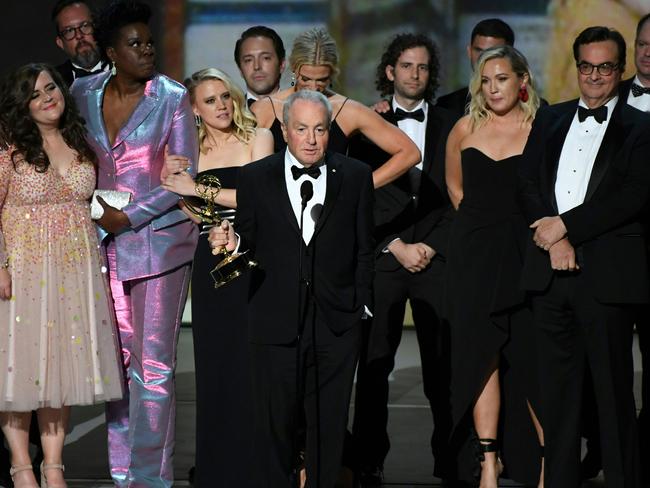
371,477
591,465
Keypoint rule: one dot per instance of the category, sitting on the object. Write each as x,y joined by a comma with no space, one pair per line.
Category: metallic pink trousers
141,426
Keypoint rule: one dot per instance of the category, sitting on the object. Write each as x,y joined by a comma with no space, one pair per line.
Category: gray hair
308,96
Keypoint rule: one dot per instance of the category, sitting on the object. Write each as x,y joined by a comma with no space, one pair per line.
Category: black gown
224,414
489,322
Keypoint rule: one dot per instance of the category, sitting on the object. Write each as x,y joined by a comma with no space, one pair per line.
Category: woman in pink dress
57,336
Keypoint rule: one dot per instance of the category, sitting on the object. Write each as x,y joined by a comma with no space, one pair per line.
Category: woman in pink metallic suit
134,115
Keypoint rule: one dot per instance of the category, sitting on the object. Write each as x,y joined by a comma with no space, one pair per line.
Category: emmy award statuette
231,265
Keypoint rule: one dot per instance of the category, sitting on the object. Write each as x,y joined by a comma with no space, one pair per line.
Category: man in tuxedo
584,180
411,235
260,57
486,34
74,35
636,91
309,293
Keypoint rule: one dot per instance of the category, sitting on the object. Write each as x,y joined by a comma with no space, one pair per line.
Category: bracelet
5,265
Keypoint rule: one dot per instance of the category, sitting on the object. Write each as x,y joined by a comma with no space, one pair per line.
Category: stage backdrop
194,34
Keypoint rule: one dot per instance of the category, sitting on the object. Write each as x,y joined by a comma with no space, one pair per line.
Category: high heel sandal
490,445
45,467
17,469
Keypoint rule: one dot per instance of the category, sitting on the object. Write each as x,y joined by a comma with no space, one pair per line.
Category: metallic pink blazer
161,236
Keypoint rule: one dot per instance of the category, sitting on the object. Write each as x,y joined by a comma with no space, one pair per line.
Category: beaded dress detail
58,344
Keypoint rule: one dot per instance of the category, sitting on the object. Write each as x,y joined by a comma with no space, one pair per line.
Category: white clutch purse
116,199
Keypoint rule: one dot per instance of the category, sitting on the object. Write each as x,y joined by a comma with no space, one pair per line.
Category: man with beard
411,235
74,35
260,56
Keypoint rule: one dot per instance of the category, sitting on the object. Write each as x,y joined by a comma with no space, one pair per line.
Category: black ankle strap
488,445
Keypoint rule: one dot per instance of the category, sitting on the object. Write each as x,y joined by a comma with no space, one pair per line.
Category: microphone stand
306,194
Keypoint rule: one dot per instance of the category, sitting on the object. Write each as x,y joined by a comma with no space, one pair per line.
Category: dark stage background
193,34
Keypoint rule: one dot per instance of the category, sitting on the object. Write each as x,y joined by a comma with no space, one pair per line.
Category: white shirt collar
421,105
637,81
290,160
250,95
94,68
610,105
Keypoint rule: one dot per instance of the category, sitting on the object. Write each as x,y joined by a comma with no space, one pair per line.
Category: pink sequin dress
58,343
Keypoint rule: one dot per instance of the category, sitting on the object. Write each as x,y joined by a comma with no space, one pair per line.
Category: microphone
306,192
316,210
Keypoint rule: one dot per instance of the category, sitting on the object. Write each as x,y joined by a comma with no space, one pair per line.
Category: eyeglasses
70,33
604,69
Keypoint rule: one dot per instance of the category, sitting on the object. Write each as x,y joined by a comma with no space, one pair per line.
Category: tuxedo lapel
334,179
142,110
431,137
277,187
612,142
559,130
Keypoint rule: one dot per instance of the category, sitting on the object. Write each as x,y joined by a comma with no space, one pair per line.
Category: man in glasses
584,182
74,35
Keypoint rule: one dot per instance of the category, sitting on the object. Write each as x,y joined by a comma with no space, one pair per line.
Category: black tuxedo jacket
65,70
340,253
605,229
624,89
455,102
395,212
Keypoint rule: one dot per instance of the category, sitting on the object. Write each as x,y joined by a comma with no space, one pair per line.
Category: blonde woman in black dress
228,140
485,307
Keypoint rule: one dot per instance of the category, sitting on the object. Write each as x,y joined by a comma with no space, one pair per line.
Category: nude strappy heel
45,467
17,469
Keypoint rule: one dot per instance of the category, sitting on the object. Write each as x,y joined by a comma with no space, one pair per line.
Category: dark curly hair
115,16
397,46
20,130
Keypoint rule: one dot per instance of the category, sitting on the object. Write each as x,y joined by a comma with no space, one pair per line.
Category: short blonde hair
479,112
243,120
315,47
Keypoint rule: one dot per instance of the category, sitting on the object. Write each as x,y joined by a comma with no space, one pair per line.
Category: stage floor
408,463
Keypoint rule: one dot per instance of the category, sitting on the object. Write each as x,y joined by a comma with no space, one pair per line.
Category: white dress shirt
642,102
577,158
293,188
416,130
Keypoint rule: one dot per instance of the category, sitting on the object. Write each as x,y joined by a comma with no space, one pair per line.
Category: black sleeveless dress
338,141
224,414
488,320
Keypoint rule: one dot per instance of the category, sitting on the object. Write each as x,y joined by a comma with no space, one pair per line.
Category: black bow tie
638,90
250,102
313,171
599,114
403,114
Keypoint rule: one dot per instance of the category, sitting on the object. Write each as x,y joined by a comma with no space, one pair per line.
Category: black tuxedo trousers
574,331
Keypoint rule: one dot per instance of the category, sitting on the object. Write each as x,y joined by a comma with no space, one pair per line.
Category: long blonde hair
243,120
315,47
479,112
